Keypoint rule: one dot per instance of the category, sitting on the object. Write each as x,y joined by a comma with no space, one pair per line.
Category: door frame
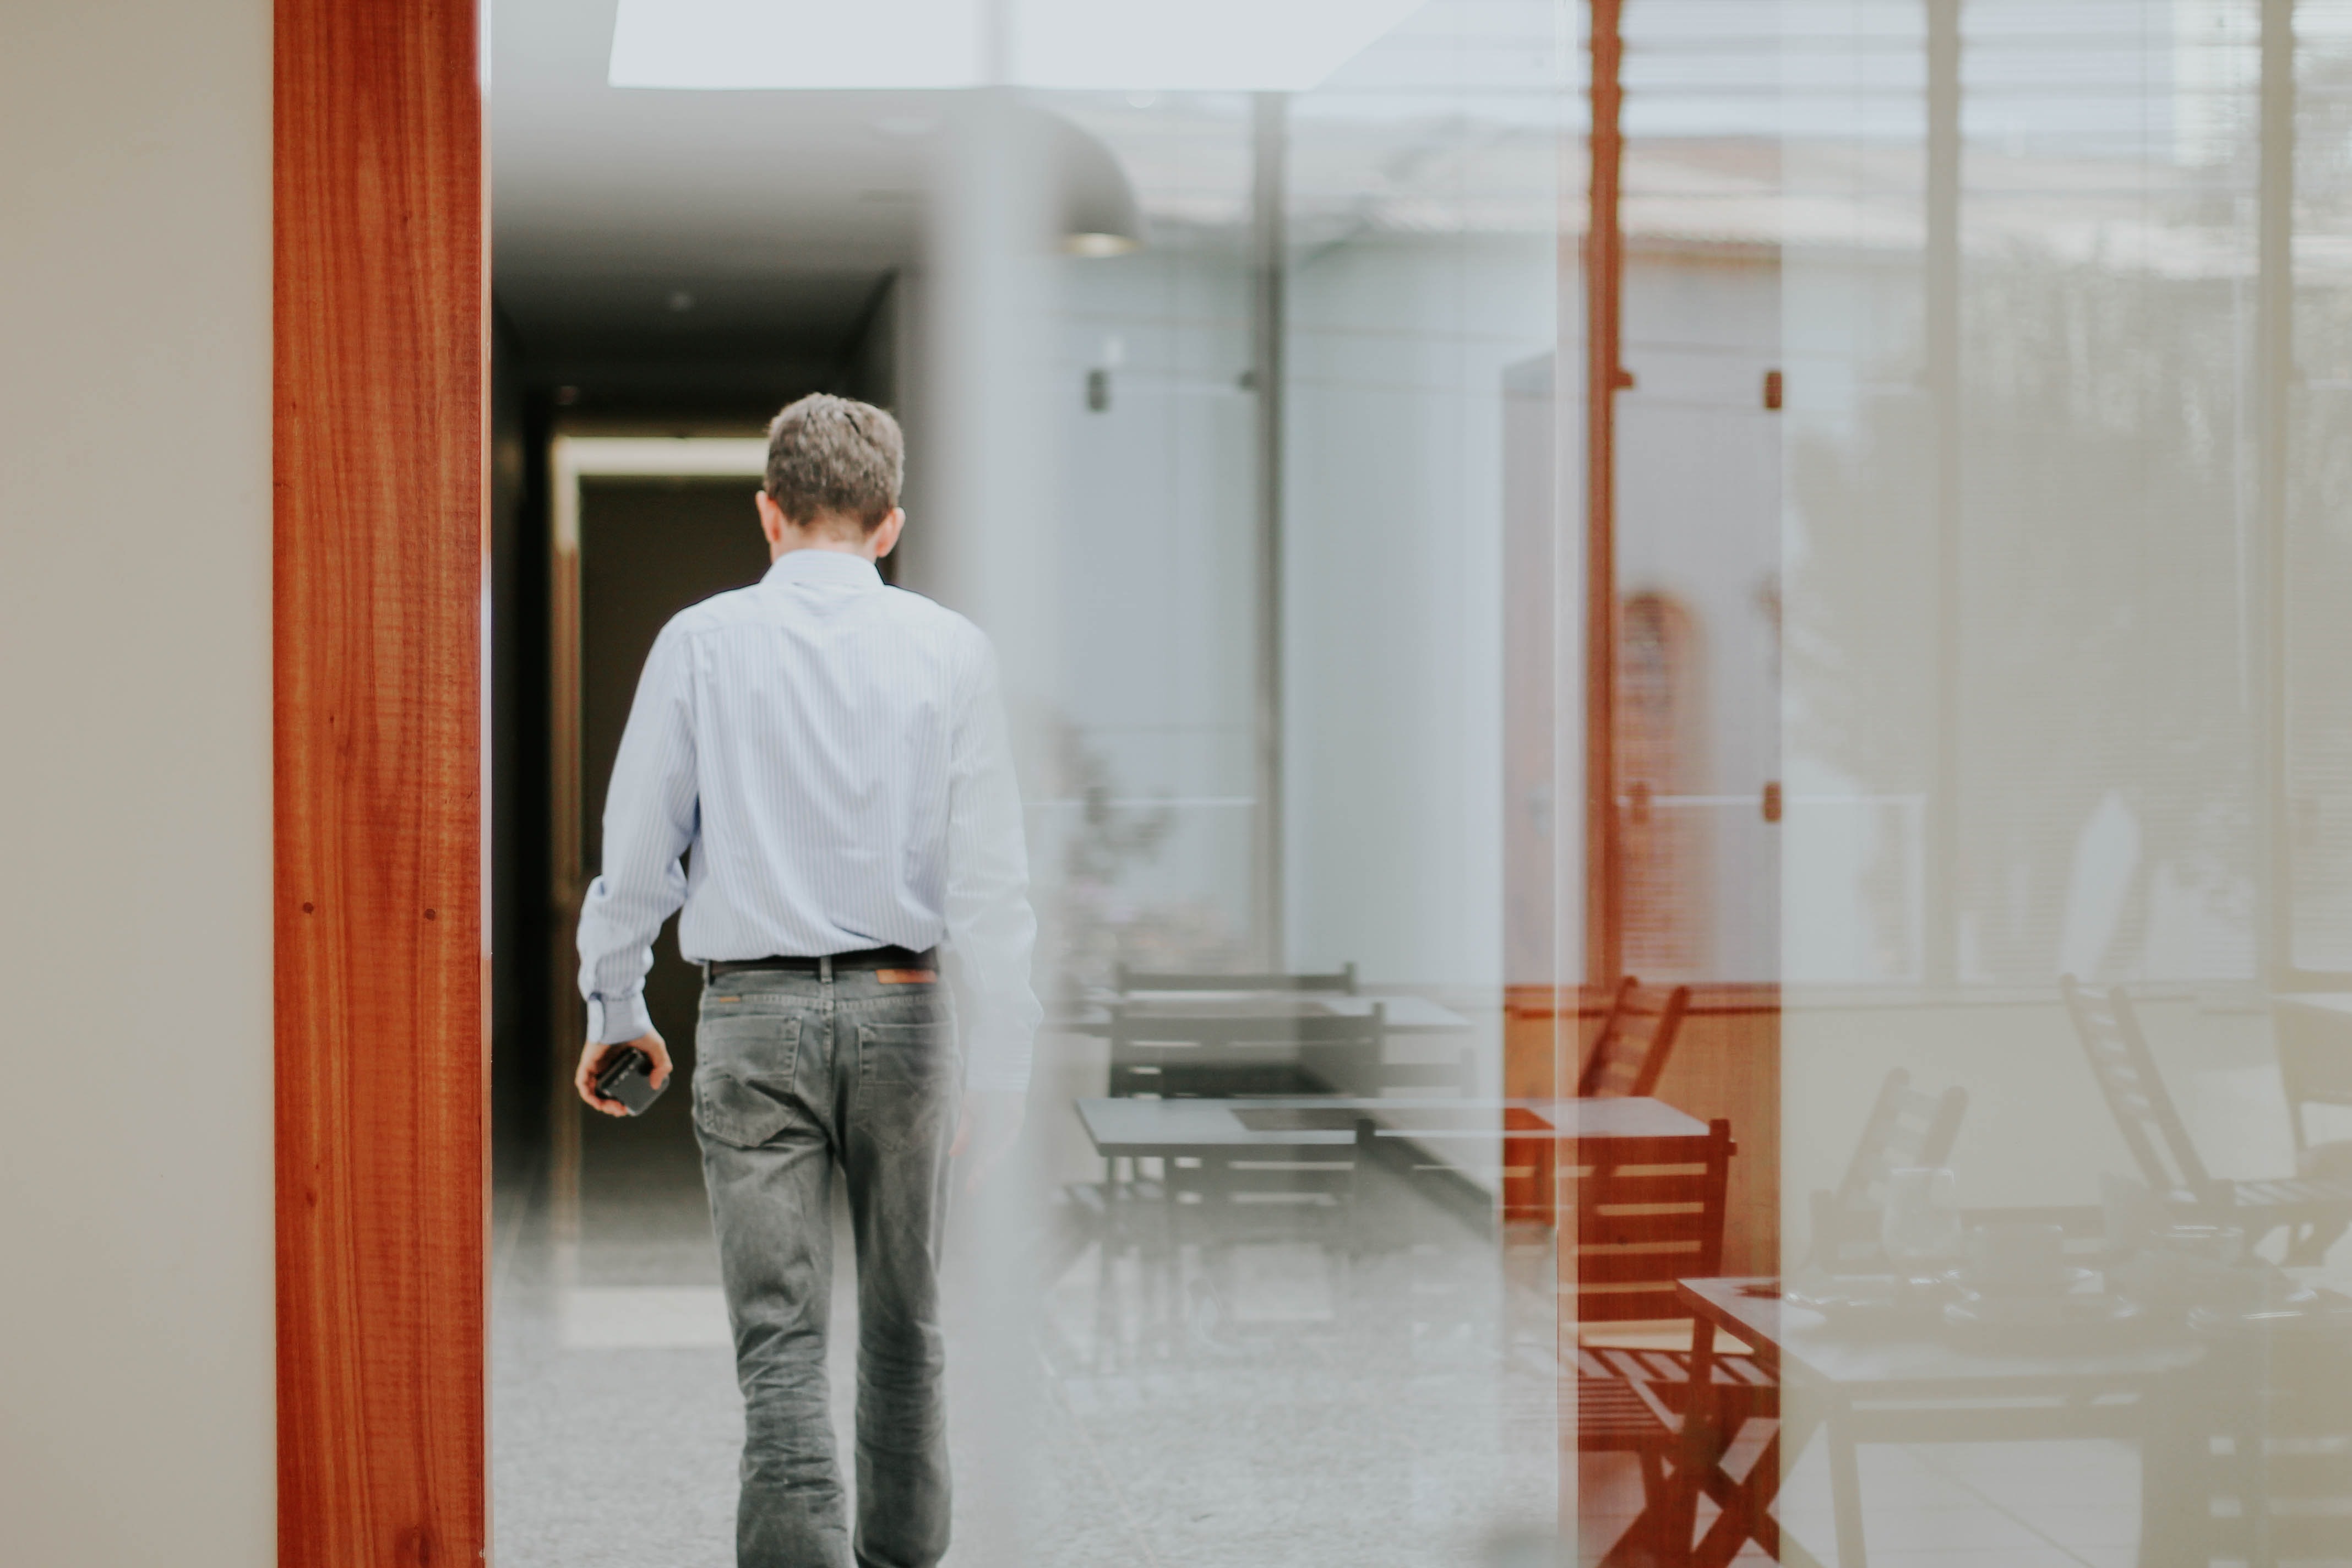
569,460
380,565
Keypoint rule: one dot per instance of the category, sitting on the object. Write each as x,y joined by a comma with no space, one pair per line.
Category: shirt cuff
612,1020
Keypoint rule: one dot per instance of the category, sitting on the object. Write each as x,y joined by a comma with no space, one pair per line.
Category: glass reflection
1848,1059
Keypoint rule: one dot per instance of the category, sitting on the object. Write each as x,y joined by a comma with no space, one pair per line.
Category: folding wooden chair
1223,1054
2314,1069
1652,1216
1220,1200
2313,1211
1907,1128
1636,1036
1256,1193
1366,1069
1222,1204
2249,1459
1151,1206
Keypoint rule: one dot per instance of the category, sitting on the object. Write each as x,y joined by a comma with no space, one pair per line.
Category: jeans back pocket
909,1078
921,1052
743,1077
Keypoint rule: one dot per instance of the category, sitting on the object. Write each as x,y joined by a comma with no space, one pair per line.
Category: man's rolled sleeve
649,821
612,1020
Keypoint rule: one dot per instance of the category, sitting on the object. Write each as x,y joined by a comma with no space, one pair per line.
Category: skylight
1175,46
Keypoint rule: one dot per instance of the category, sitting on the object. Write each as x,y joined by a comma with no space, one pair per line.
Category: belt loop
825,969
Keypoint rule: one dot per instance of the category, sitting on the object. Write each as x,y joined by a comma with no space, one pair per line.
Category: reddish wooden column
381,378
1604,376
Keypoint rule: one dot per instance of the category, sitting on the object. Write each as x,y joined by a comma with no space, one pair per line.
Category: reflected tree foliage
2104,646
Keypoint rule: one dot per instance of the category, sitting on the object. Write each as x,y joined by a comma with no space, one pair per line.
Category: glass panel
2106,494
2318,577
1154,809
1858,567
1698,543
1980,737
1422,295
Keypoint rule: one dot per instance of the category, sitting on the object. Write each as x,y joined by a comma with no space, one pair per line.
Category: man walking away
833,752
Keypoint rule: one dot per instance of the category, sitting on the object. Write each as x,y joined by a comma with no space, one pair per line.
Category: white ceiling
776,213
1087,45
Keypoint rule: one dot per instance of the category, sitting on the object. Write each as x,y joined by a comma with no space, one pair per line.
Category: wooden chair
1230,1192
2249,1458
1636,1036
1341,980
1366,1070
1908,1128
1216,1204
1153,1051
2314,1069
1255,1193
1220,1200
1651,1216
2314,1212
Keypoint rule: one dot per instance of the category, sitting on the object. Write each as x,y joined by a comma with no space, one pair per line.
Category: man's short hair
835,457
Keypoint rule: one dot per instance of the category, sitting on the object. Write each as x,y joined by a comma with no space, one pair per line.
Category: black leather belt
864,958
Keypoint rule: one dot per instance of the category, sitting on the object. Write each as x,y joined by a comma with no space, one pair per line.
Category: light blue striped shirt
833,750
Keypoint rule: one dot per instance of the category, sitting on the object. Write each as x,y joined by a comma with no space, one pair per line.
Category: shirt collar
833,566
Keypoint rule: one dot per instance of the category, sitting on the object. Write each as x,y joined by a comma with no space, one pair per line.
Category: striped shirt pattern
832,752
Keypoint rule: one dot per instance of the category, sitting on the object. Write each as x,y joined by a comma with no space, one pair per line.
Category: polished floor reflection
1205,1393
1280,1350
1298,1410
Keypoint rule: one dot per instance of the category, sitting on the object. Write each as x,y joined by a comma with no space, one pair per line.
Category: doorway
603,1244
642,528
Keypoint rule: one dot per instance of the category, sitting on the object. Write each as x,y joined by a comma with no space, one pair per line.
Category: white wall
136,1419
1160,519
1699,521
1393,598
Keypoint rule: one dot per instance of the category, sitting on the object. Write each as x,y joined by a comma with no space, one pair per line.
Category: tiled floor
1270,1402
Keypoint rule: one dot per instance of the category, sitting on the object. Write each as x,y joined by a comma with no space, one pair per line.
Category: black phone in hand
627,1076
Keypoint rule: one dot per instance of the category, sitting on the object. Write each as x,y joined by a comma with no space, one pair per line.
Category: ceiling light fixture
1099,216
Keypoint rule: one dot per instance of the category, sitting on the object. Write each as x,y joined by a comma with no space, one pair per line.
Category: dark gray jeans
793,1075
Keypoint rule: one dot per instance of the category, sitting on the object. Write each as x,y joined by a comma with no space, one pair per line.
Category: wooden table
1883,1388
1406,1014
1179,1128
1537,1136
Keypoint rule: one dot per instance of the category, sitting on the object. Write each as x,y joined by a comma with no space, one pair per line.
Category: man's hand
989,1127
592,1062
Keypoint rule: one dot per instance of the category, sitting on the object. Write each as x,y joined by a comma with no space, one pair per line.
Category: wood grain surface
1726,1063
381,380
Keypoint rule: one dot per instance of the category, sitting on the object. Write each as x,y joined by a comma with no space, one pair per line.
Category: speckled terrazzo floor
1159,1404
1277,1404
